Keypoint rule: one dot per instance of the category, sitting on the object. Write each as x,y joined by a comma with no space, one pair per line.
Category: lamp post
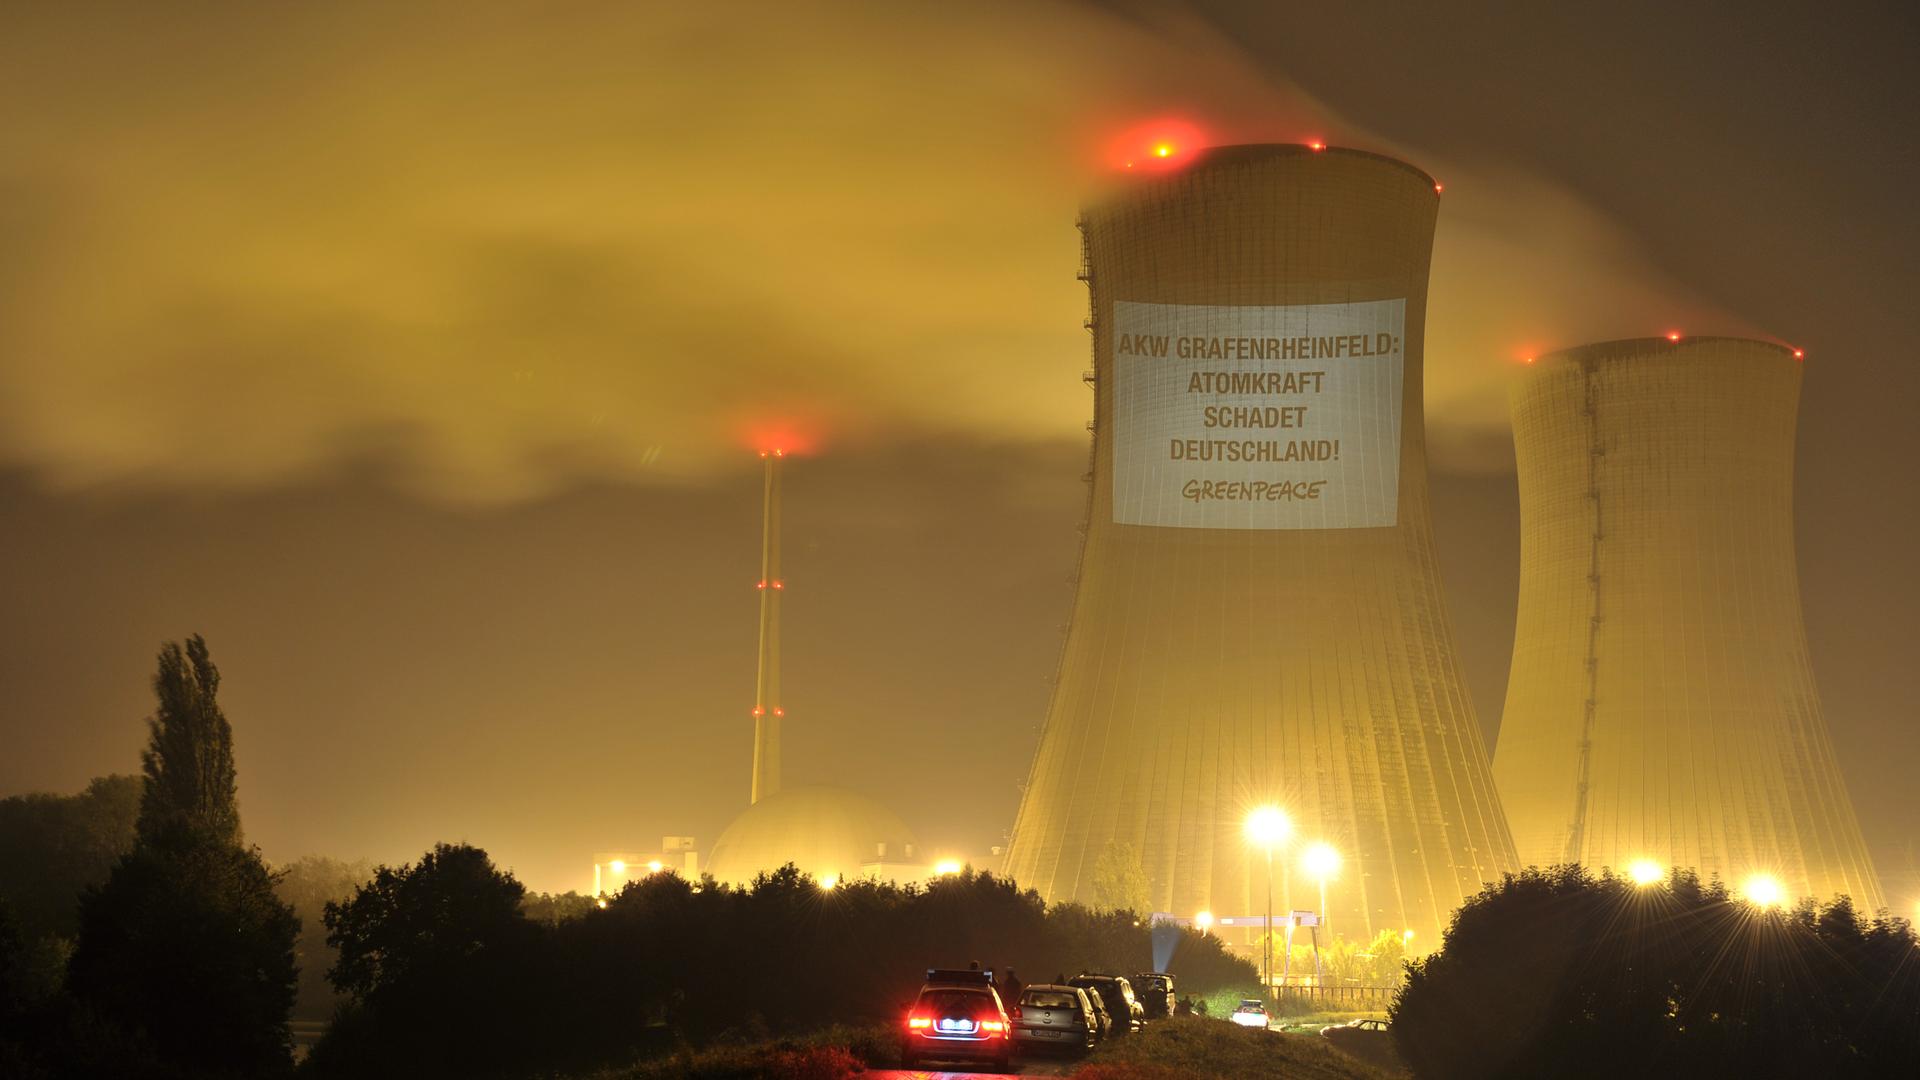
1269,827
1322,862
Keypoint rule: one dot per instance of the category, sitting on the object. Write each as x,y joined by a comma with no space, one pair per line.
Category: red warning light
1160,145
779,712
1673,335
1528,360
762,585
779,584
758,711
1316,146
777,438
1438,187
1799,354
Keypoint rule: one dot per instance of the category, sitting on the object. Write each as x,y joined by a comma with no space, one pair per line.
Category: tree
1386,959
1119,881
307,885
1561,973
552,909
186,948
54,846
442,971
190,782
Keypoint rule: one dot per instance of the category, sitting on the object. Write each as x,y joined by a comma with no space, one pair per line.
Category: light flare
1763,891
1269,827
1320,861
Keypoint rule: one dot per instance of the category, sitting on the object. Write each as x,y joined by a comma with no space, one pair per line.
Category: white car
1251,1013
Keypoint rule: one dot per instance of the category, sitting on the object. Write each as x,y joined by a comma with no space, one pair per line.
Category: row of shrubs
445,975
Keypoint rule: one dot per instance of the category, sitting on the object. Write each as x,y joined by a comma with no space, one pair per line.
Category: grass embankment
832,1054
1196,1049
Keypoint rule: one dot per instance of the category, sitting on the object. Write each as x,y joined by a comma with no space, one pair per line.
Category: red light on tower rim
1799,354
1316,146
1673,336
1159,145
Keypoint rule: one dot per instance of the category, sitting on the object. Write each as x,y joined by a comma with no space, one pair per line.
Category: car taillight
919,1022
992,1025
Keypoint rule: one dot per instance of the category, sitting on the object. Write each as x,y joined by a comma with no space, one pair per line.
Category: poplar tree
186,949
189,756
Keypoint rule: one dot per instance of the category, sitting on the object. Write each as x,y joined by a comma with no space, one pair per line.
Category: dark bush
1561,973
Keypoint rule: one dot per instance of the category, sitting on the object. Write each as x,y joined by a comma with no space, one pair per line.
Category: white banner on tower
1257,417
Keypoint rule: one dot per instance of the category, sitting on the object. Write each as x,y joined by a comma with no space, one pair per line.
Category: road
1045,1066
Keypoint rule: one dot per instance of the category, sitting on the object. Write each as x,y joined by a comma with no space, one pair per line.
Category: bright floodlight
653,867
946,866
1763,891
1646,872
1203,920
1269,827
830,881
618,866
1320,861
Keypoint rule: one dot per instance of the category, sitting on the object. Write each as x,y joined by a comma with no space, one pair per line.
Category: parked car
1251,1012
1117,995
957,1016
1060,1016
1376,1026
1369,1040
1155,991
1102,1019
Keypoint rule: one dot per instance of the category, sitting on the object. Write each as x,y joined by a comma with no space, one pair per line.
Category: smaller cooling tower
1661,705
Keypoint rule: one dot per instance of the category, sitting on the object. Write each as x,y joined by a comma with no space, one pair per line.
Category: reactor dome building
1661,708
1259,618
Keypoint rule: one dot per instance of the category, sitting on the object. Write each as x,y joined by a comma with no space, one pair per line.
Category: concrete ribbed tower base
1661,704
1214,664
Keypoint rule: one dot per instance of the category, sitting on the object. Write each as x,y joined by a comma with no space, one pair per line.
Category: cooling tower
1259,616
1661,705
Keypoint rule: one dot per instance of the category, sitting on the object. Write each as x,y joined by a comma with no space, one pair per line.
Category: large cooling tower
1661,706
1259,616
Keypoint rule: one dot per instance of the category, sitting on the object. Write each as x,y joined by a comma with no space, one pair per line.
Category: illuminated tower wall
1259,615
1661,705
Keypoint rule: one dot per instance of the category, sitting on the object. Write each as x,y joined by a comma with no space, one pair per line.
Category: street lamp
1320,862
1268,827
1203,920
1645,872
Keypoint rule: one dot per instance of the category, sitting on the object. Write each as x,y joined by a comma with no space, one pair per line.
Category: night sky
414,355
